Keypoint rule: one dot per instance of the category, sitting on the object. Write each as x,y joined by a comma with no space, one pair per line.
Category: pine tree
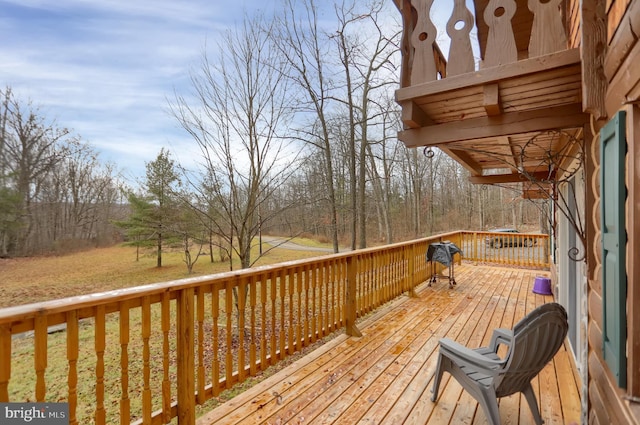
155,214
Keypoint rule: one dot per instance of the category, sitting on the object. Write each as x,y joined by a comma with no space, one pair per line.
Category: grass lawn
29,280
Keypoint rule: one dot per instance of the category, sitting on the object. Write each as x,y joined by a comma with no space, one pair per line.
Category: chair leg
533,404
489,403
437,377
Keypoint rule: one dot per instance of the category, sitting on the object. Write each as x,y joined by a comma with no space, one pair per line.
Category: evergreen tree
155,214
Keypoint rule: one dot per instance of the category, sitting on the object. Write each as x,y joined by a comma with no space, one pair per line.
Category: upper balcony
519,106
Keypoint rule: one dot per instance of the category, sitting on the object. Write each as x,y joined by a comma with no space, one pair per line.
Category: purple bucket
542,285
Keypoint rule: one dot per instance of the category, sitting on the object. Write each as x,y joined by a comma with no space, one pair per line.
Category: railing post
185,357
350,301
5,362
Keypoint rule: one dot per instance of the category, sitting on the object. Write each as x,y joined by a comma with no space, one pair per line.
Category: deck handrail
170,346
529,250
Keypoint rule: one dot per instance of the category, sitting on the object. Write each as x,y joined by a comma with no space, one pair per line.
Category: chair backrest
536,340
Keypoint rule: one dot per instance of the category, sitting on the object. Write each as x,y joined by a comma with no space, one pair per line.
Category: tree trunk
159,251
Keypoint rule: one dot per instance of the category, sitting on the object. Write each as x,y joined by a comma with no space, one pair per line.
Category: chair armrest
464,356
500,336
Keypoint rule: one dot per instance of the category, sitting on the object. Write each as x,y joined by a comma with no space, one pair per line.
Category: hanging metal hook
575,254
428,152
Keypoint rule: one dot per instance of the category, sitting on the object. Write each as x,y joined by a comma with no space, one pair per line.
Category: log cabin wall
610,403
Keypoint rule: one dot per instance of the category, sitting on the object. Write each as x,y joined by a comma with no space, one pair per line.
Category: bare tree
304,47
31,148
383,156
236,115
365,51
56,194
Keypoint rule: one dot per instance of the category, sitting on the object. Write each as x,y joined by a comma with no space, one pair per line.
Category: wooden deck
385,376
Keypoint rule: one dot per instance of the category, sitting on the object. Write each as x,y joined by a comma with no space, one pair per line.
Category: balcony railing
529,250
152,353
504,42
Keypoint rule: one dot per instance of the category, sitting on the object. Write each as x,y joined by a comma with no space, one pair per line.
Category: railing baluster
100,343
547,34
274,316
372,282
146,360
253,290
410,271
242,291
40,357
378,265
125,403
263,322
215,346
350,301
73,348
327,298
422,39
291,328
228,308
166,383
298,275
501,44
5,362
282,280
365,270
321,281
334,277
459,27
382,263
341,287
314,301
200,319
307,305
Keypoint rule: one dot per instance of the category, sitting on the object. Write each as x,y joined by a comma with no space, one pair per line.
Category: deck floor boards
385,376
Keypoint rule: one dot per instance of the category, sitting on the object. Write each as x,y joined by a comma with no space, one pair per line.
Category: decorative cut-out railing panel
422,58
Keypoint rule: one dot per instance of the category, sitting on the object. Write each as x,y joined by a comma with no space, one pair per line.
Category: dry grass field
29,280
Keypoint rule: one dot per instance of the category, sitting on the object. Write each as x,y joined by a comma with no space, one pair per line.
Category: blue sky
105,68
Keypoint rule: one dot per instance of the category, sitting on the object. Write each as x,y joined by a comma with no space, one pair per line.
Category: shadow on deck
385,376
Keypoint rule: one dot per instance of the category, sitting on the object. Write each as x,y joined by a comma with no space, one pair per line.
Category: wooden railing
151,353
529,250
422,64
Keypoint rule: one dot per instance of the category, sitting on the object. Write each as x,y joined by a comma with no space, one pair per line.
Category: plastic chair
532,343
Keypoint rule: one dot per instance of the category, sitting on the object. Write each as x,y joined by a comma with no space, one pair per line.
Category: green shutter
614,278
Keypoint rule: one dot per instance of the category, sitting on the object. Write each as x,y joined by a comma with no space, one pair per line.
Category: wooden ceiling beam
464,159
510,178
515,160
535,194
413,116
567,116
491,101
